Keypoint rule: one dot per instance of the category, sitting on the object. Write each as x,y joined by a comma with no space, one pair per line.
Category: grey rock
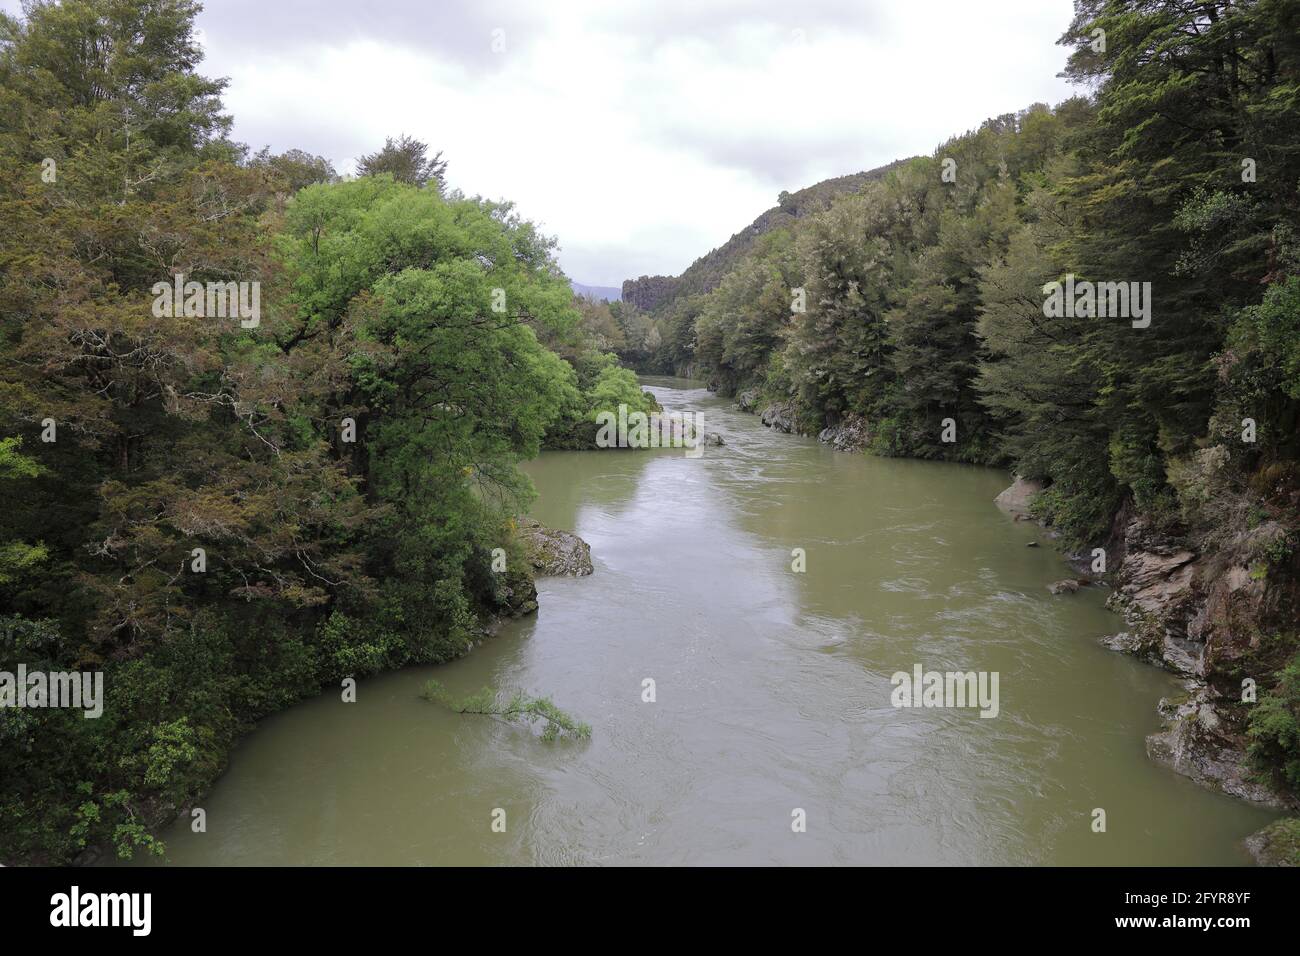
554,552
1123,642
1278,844
1197,744
1019,496
779,416
852,433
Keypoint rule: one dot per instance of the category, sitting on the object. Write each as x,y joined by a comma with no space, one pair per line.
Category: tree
406,160
293,169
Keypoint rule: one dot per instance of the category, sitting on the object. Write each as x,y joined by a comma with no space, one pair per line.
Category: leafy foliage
406,159
1275,725
517,708
325,557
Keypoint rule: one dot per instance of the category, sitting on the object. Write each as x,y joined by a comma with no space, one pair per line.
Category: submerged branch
518,708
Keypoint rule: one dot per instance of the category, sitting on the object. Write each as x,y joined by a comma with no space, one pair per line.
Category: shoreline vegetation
228,514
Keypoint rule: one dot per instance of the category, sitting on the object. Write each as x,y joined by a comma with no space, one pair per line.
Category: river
772,691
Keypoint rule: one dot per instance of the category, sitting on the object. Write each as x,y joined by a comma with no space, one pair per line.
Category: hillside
656,293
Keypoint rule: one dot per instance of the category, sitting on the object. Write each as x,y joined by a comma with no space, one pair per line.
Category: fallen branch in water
519,708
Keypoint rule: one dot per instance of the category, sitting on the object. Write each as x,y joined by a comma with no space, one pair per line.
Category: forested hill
657,293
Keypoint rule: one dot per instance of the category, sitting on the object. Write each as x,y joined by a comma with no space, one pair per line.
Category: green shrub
1274,728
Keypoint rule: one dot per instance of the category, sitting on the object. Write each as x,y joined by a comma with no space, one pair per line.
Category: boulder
1018,497
1068,586
554,552
516,593
1123,642
779,416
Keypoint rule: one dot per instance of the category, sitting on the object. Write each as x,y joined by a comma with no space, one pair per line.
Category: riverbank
1188,611
771,691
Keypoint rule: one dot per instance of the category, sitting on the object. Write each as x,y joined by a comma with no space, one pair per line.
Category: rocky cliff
1204,615
648,291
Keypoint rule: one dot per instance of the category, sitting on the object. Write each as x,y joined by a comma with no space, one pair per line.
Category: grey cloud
665,251
668,20
456,32
782,159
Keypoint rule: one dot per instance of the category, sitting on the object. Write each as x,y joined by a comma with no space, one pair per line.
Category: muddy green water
772,688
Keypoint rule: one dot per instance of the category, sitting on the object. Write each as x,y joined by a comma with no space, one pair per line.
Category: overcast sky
641,134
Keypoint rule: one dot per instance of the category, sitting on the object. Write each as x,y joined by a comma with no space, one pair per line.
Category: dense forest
227,514
914,311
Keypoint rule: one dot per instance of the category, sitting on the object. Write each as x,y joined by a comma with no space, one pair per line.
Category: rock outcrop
1198,616
554,552
648,291
851,433
780,416
1199,743
1278,844
516,594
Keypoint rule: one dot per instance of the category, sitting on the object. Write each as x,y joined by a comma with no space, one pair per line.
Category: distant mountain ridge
656,293
605,292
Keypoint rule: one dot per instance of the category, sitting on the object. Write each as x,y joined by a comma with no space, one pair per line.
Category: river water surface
772,691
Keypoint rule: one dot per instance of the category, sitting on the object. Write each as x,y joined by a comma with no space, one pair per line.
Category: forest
226,519
225,516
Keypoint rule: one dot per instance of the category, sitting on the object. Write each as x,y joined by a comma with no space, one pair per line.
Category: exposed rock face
711,438
781,417
517,594
1196,615
1155,592
1018,497
1198,743
852,433
1278,844
648,291
553,552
